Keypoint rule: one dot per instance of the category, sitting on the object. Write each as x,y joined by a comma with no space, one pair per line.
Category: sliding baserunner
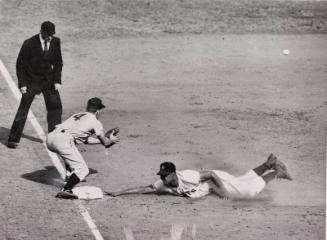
195,184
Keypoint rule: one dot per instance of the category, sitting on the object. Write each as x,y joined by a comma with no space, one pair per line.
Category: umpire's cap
166,168
95,103
48,27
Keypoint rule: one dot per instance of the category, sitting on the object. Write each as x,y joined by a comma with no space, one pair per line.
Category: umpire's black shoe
66,194
11,144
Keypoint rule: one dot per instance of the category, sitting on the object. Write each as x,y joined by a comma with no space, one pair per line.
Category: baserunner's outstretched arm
135,190
141,190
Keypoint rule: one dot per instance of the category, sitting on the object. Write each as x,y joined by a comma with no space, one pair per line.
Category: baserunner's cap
95,103
166,168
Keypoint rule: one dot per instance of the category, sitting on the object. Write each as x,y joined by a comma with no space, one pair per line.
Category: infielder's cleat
67,194
12,144
282,174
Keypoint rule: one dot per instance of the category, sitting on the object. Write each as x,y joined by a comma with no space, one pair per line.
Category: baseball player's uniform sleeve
162,189
98,128
158,185
189,176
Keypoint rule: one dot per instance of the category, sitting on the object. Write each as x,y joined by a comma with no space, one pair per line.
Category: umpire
38,68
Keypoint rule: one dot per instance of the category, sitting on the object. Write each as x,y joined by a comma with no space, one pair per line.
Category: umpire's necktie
45,50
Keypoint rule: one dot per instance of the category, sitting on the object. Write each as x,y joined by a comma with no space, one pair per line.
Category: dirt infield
202,83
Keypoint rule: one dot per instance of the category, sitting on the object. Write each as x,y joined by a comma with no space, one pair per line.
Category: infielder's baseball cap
95,103
166,168
48,27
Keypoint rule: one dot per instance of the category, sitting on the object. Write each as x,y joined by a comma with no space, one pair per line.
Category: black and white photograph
163,119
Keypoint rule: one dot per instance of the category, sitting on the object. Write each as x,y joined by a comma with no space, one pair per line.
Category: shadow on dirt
4,133
264,200
49,176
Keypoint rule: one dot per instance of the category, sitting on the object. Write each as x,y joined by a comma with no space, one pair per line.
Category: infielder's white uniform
74,130
189,184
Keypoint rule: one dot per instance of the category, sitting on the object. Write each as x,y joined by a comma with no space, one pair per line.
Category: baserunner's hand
112,194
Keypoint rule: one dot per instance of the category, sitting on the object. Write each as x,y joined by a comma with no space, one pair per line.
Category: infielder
195,184
78,129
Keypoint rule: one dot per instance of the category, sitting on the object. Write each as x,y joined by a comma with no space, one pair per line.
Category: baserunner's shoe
66,194
282,174
273,163
280,164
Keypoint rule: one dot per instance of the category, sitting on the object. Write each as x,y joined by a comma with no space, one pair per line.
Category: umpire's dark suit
38,71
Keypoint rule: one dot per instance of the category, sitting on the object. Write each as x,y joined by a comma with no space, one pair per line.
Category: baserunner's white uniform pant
62,143
245,186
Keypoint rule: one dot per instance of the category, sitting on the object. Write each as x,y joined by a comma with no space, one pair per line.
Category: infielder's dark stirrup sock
68,167
73,180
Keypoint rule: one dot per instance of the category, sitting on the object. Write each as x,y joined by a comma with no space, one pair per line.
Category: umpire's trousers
54,112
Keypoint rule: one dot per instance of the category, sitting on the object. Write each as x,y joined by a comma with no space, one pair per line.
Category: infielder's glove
114,132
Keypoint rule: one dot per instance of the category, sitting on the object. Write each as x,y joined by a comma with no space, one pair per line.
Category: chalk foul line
54,158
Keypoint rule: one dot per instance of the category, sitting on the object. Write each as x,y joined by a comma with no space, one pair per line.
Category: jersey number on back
78,116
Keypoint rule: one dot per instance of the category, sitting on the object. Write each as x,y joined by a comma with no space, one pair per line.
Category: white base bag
88,192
